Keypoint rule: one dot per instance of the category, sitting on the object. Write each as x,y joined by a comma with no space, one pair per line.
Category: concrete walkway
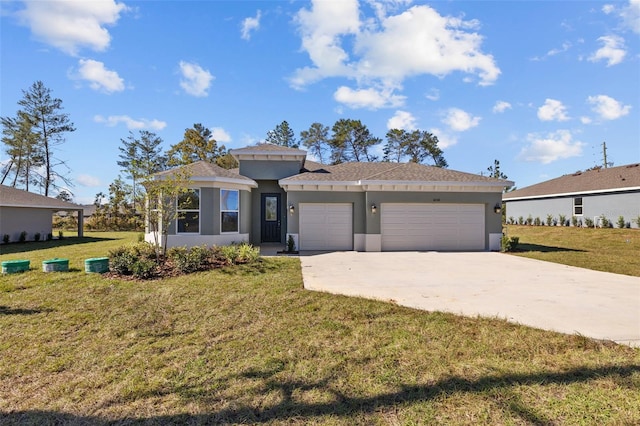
531,292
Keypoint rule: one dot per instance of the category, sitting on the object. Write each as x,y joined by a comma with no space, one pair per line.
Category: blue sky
537,85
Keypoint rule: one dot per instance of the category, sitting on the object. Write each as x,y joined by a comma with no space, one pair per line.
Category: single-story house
276,193
23,211
612,192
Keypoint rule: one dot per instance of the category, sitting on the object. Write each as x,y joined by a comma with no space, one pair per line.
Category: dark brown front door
271,219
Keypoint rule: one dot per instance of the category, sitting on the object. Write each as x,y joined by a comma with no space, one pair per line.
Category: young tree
316,140
65,195
141,157
163,191
25,154
351,141
49,126
394,149
282,135
197,144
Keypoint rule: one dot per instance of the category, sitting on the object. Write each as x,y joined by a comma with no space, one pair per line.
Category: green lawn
608,250
250,345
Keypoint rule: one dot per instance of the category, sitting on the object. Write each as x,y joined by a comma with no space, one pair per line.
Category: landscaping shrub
121,260
227,254
60,235
530,220
575,221
511,220
144,269
605,223
520,220
509,243
36,236
549,219
6,238
637,221
23,237
621,222
588,222
563,220
537,221
190,260
49,236
246,253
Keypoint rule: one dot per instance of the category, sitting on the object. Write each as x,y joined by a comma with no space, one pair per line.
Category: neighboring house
612,192
276,193
22,211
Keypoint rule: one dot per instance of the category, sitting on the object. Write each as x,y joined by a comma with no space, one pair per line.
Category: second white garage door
326,226
432,226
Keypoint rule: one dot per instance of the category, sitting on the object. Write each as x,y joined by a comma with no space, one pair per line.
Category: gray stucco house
22,211
612,192
276,193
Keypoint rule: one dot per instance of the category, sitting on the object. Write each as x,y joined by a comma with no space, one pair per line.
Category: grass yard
608,250
249,345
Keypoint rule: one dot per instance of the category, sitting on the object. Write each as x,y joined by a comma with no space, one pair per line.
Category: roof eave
574,193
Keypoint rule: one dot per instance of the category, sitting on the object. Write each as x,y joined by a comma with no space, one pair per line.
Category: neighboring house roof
383,175
613,179
12,197
205,171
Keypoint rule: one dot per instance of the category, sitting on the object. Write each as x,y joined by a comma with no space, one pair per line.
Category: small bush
621,222
60,235
604,222
291,245
23,237
228,254
190,260
36,236
549,219
248,253
144,269
530,220
49,236
6,238
509,243
575,221
140,237
537,221
563,220
637,221
520,220
121,260
588,222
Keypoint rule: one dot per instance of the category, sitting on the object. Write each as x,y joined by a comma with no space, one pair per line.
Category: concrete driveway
531,292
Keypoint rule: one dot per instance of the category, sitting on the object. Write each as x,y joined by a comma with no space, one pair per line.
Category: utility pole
604,154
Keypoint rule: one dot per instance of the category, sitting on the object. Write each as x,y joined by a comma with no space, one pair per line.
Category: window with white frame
189,212
577,206
229,213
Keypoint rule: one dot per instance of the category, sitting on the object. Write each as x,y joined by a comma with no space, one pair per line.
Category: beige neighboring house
21,210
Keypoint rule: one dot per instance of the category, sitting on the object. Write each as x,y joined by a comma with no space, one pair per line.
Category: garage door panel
417,226
326,226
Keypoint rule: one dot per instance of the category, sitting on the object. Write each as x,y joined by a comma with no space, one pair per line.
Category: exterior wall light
374,209
292,209
497,208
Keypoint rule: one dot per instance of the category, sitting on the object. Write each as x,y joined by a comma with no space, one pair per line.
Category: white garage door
326,226
432,226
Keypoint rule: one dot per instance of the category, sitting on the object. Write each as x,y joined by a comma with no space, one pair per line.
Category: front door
271,218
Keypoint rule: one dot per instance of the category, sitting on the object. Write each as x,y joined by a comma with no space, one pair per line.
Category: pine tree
315,139
282,135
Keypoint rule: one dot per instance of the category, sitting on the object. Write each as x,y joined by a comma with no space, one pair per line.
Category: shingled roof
384,171
13,197
613,179
208,171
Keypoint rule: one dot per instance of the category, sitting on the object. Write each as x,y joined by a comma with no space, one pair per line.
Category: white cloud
608,108
612,50
402,120
87,180
501,106
387,49
548,148
220,135
98,76
552,110
631,16
367,98
143,123
459,120
433,95
195,80
585,120
445,140
72,25
249,25
608,8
